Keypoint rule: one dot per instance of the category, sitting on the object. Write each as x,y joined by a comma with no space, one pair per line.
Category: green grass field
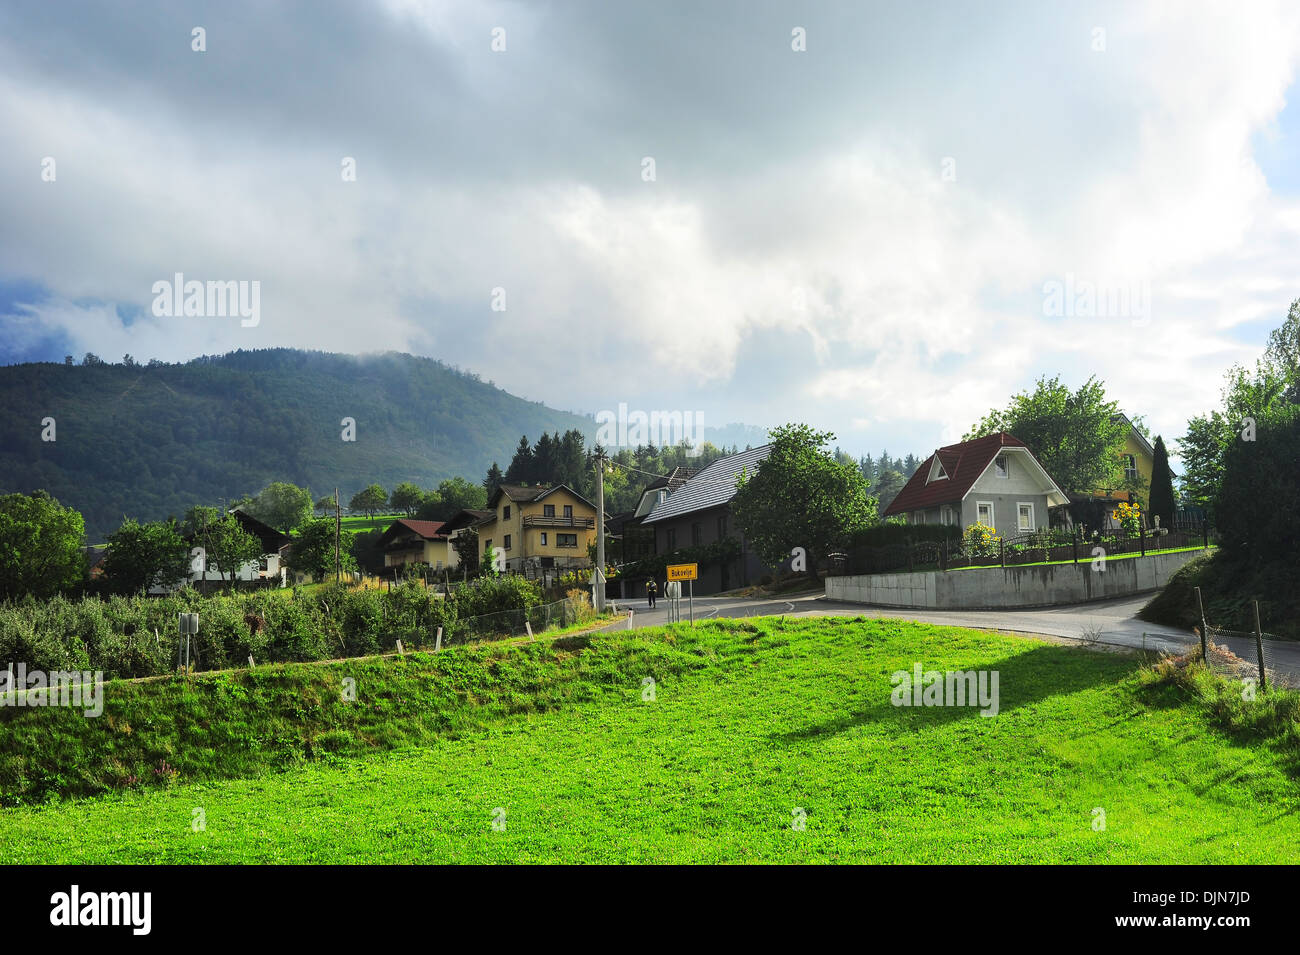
750,722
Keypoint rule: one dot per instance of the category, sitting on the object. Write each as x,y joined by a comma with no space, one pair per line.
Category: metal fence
1045,546
1240,654
515,623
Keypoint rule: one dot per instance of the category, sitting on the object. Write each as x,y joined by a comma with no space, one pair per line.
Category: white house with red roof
995,480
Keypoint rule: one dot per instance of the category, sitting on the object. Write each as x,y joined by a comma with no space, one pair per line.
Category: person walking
651,589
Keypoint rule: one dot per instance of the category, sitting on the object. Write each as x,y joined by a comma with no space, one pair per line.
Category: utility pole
338,523
599,576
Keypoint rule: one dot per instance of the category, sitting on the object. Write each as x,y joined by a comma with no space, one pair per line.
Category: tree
801,497
493,480
229,547
41,546
407,498
1246,397
1076,436
141,556
325,504
489,568
1161,503
284,506
370,501
1283,351
1258,506
466,546
312,550
521,469
887,487
453,495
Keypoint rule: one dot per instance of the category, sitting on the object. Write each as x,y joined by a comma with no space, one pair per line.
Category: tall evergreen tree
493,480
1161,503
520,470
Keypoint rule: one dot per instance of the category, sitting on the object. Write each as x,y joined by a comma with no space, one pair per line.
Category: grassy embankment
748,723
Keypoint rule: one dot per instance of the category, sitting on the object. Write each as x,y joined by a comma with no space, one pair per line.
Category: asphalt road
1114,622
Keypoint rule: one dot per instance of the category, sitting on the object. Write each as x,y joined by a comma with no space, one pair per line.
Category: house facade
458,524
1137,460
994,480
538,528
698,513
409,541
269,568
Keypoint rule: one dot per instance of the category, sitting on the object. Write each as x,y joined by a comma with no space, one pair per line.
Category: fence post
1142,537
1205,535
1201,606
1002,553
1259,648
1074,542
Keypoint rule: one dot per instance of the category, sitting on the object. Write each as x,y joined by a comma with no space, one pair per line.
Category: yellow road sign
683,571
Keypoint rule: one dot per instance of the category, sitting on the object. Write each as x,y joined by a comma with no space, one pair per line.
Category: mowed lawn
772,717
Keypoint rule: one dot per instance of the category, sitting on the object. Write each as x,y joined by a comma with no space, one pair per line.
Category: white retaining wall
997,588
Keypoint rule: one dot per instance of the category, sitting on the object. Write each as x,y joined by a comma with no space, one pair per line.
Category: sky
880,219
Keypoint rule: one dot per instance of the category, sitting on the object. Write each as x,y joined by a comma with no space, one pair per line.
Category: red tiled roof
429,530
963,463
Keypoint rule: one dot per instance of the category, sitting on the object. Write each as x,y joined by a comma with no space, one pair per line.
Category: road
1114,622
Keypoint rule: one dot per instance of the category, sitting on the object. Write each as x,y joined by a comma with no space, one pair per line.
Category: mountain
149,441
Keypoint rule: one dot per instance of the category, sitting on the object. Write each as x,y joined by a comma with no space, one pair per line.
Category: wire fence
516,623
1241,654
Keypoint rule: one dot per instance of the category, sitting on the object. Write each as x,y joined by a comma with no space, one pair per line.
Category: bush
495,594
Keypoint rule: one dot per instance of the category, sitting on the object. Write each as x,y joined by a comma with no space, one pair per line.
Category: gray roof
712,487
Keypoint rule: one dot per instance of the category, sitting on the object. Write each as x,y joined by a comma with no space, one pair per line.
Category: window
506,542
1024,516
918,517
566,540
672,538
543,538
506,516
697,532
984,513
1000,465
548,510
1130,468
568,512
945,515
722,526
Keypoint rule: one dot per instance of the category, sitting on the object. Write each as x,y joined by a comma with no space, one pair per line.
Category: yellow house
538,527
417,542
1137,461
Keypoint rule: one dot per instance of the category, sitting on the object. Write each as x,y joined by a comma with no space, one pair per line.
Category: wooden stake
1259,648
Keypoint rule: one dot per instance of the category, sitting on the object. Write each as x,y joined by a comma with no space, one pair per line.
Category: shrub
981,540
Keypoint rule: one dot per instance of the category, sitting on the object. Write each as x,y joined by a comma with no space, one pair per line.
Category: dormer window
937,473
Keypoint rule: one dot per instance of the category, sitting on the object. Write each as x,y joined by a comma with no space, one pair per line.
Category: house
1138,459
408,541
633,540
459,523
536,528
698,513
995,480
268,568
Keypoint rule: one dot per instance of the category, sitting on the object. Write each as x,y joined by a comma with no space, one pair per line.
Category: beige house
417,542
532,528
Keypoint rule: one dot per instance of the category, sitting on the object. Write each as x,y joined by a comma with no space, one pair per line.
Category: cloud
805,251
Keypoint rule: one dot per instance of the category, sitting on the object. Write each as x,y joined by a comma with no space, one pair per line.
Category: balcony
533,520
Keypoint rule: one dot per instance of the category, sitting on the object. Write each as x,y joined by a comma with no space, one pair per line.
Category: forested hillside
151,440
